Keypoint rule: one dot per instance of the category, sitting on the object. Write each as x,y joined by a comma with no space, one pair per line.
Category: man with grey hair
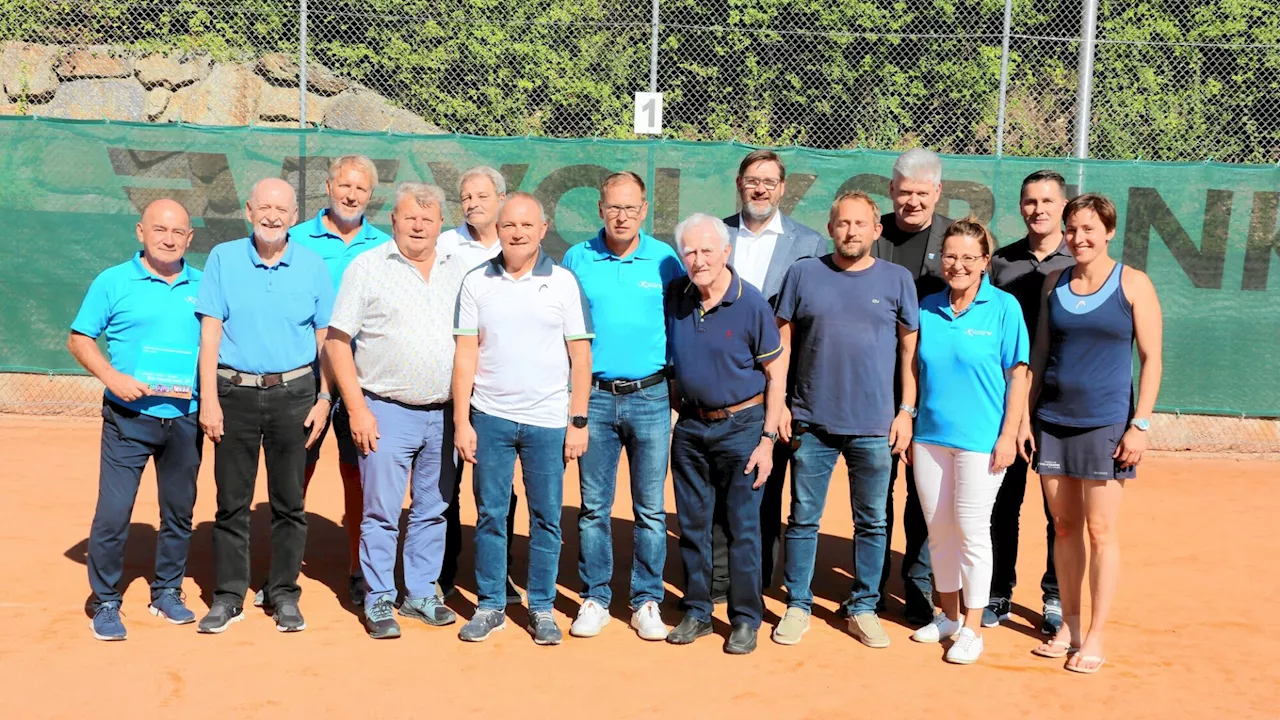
396,303
729,384
912,237
264,305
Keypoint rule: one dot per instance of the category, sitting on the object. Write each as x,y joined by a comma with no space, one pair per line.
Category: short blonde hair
359,162
853,195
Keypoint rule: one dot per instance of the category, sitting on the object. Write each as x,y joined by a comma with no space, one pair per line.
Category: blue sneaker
170,606
1052,621
106,623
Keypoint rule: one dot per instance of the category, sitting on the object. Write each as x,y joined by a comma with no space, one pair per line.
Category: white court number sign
648,113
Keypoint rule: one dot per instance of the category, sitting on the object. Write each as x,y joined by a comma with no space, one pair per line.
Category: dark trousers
770,528
270,421
453,532
129,439
1004,536
707,462
917,578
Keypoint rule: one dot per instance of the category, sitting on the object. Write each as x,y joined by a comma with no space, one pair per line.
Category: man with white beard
264,308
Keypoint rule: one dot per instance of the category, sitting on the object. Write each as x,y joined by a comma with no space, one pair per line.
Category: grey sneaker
866,628
483,624
220,617
288,617
430,610
542,625
795,623
260,598
380,621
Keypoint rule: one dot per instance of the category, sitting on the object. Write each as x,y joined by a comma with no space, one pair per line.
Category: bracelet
326,397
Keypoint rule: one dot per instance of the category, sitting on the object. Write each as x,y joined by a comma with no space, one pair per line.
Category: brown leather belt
726,412
240,379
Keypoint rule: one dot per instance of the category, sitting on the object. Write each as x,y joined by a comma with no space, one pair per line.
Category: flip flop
1057,649
1100,661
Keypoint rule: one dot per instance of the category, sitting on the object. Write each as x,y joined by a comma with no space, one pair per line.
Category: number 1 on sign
648,113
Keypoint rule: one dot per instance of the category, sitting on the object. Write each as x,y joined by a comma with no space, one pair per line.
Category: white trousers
957,492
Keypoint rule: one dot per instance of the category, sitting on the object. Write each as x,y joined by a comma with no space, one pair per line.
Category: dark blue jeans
917,571
541,453
707,462
869,460
641,423
129,439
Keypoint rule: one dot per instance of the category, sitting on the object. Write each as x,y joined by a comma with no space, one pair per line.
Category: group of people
906,336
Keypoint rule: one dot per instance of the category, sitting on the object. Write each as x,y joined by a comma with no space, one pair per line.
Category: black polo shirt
919,251
1017,271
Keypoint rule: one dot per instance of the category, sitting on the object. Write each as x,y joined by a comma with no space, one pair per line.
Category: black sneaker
542,626
288,617
380,621
996,612
689,629
356,589
220,617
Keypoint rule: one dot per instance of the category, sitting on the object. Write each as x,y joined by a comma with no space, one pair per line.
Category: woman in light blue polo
972,361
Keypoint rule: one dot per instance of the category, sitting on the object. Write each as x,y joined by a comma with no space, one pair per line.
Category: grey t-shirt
844,341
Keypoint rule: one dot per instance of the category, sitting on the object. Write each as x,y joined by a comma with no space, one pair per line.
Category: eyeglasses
753,182
631,211
966,260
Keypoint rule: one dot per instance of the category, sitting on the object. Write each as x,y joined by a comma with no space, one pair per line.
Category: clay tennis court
1191,636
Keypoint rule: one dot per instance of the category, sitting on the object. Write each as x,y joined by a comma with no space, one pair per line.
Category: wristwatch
773,436
579,421
1142,424
326,397
909,410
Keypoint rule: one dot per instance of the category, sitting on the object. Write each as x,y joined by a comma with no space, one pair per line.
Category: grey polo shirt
1017,271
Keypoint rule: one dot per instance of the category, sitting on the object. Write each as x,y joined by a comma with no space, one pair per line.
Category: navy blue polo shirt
141,314
269,313
844,342
963,359
717,355
625,295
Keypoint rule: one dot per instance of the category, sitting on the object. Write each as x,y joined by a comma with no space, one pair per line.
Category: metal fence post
1004,78
302,65
1084,87
653,49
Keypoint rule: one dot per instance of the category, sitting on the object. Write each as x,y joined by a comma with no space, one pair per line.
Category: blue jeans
707,462
129,440
415,449
541,452
917,570
869,460
641,423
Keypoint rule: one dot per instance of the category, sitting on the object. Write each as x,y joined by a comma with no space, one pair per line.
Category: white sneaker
966,650
940,628
592,617
647,622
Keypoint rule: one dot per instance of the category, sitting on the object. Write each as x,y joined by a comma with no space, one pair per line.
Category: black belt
626,387
408,406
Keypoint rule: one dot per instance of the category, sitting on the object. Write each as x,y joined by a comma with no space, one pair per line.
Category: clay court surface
1192,632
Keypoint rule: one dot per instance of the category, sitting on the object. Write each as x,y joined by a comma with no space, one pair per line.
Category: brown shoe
866,628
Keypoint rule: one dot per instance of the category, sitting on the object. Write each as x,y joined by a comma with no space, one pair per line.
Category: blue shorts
348,453
1084,453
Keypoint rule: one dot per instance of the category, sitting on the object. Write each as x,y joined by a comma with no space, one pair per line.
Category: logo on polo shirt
875,301
191,299
646,285
971,332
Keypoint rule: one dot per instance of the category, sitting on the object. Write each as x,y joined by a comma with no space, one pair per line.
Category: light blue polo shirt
139,310
963,360
336,253
625,295
269,314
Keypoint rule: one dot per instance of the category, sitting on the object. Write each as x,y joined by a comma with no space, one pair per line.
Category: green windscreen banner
71,193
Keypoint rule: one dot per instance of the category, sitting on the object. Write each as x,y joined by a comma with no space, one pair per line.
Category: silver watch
325,396
909,410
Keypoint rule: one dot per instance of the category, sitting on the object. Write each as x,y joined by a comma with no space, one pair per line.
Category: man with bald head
264,305
146,308
522,329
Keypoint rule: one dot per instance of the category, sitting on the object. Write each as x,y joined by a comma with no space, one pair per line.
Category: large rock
102,99
171,72
279,104
368,111
229,96
157,100
282,70
94,62
27,71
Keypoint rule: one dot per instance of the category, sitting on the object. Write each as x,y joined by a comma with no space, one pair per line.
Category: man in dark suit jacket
765,244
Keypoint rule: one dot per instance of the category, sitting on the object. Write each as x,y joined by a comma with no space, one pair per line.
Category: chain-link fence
1171,79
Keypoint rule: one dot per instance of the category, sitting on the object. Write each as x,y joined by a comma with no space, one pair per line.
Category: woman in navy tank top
1089,436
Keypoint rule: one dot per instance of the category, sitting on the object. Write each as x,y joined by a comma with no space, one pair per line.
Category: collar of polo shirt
256,259
985,292
393,250
733,293
319,230
140,271
643,251
541,268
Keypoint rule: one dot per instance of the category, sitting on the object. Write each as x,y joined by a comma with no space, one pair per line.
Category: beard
854,253
271,235
752,213
340,211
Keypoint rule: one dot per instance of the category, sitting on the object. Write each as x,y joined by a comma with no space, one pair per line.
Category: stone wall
104,83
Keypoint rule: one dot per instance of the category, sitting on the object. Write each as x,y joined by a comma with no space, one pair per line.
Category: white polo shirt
400,323
522,374
752,253
458,241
